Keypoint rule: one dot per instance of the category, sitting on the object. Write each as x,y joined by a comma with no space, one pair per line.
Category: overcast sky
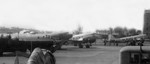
66,15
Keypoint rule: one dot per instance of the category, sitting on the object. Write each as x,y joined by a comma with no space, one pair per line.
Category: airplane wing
136,36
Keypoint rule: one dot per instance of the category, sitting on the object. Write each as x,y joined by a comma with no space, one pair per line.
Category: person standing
38,56
41,56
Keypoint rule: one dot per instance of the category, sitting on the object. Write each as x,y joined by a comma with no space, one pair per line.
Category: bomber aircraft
29,40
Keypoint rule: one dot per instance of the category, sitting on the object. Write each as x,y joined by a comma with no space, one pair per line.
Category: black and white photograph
74,31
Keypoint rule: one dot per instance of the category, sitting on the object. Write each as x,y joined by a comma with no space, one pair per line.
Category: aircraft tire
80,46
75,44
87,46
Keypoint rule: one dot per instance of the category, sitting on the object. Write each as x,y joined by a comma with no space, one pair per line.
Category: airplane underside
9,45
81,44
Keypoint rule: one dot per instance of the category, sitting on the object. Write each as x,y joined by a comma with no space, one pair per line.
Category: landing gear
87,46
75,44
60,47
116,44
80,46
1,52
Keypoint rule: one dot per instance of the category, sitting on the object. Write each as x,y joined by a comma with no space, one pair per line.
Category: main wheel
87,46
80,46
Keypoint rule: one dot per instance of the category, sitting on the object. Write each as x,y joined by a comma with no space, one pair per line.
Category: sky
67,15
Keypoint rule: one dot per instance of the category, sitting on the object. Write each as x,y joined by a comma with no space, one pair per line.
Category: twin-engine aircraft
83,39
130,40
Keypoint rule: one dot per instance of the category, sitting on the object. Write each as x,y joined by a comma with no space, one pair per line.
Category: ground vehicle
135,55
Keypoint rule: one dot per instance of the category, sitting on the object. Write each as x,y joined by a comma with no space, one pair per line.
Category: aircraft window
135,58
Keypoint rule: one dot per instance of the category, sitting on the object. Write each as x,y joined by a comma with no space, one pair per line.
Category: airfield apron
41,57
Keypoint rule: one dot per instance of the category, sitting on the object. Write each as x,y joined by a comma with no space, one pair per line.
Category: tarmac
74,55
93,55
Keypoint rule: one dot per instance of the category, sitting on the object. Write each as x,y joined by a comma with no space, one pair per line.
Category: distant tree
102,31
139,32
125,31
120,31
111,30
14,30
79,30
132,32
4,30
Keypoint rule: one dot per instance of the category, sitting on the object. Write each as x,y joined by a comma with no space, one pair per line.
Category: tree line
14,30
122,31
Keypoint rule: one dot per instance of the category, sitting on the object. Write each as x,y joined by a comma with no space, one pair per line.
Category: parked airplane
133,37
26,40
83,39
130,40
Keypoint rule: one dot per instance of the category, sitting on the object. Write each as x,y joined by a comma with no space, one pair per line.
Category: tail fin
111,37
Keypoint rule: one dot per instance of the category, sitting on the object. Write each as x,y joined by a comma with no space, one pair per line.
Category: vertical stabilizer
111,37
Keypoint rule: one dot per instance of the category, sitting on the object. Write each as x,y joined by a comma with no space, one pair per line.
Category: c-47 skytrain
83,39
